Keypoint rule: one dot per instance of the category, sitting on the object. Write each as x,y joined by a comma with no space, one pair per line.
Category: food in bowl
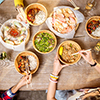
27,63
63,20
35,15
44,42
93,28
65,51
14,33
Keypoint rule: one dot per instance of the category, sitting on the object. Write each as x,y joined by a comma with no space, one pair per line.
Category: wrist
92,62
18,8
54,78
10,93
15,89
55,73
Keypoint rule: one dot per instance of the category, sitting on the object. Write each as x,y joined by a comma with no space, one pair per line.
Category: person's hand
87,56
21,15
25,80
57,66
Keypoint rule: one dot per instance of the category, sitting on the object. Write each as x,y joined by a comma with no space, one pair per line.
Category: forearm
52,88
15,88
57,67
51,91
18,2
97,66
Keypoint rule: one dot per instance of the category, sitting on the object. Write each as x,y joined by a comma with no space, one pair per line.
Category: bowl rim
51,33
33,7
93,17
16,67
59,48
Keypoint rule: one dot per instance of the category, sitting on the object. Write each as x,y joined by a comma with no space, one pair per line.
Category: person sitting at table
52,94
20,8
9,94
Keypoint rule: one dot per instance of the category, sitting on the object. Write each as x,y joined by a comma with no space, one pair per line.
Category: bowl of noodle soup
65,51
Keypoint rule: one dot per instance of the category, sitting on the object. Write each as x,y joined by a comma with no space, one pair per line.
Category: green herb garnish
44,42
70,44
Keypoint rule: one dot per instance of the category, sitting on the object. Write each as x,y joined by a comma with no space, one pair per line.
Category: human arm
88,57
57,67
51,91
9,94
24,80
18,3
20,8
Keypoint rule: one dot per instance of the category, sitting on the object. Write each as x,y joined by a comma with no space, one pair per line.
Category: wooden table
76,76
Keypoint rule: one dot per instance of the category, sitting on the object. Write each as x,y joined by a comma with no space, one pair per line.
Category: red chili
89,29
19,65
21,57
93,28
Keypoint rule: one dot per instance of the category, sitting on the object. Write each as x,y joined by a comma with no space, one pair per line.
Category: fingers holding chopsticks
28,78
86,54
25,80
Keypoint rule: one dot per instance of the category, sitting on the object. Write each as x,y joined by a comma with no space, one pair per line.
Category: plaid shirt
8,95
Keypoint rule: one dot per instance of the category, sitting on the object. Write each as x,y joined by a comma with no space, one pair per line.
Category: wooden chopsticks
27,71
81,51
72,2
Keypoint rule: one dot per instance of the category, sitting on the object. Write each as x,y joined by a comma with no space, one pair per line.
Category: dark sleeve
8,95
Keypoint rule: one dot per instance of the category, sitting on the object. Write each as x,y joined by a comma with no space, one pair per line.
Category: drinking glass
90,6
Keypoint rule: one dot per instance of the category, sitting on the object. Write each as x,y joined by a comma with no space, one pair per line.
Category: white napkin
20,47
79,16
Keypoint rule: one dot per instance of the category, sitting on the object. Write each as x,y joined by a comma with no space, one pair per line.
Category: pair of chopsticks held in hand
81,51
27,71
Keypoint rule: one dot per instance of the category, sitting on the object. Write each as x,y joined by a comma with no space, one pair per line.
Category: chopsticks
72,2
27,71
81,51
